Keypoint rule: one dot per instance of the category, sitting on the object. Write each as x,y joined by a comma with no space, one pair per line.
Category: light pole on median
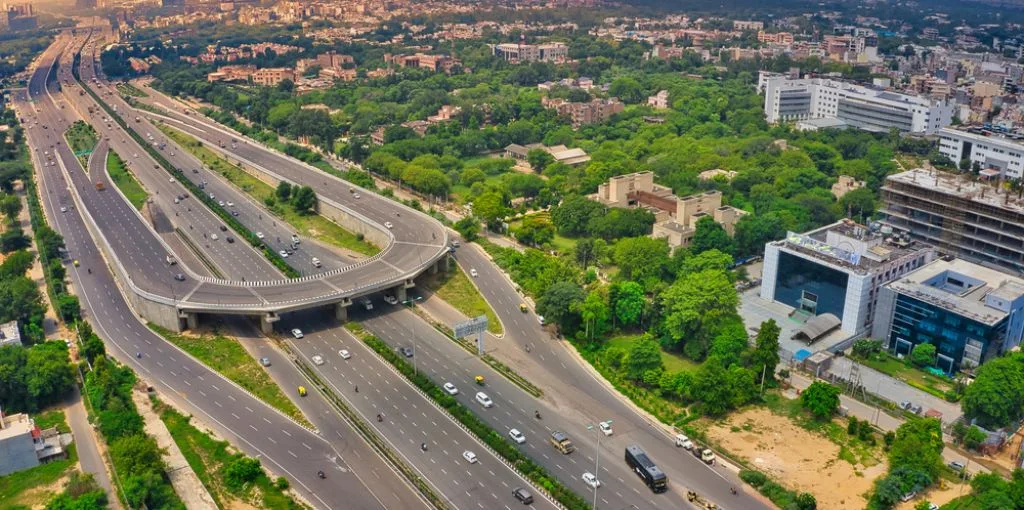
597,460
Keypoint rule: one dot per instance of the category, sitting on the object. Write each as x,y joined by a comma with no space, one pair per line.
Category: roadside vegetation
230,477
918,369
82,139
280,202
229,358
456,289
129,90
125,181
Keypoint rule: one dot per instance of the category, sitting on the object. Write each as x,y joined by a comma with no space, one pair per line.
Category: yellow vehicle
302,391
522,307
75,262
479,380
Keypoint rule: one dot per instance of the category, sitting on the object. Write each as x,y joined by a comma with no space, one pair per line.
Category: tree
468,227
68,307
629,302
695,304
10,206
539,159
572,216
304,200
627,89
766,350
806,501
918,447
16,264
974,437
644,355
821,399
284,191
858,204
640,258
490,207
92,347
557,303
753,231
594,312
535,230
923,355
996,397
707,260
241,471
866,347
709,235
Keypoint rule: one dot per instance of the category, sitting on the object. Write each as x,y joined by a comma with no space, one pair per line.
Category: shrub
754,478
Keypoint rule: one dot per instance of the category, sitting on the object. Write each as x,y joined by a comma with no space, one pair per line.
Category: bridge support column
444,264
400,293
341,311
433,269
267,323
192,320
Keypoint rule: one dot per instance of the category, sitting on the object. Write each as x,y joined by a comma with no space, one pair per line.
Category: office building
837,270
271,76
969,312
990,150
550,52
595,111
960,216
856,105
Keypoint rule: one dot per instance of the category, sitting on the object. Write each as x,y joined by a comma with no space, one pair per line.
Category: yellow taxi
302,391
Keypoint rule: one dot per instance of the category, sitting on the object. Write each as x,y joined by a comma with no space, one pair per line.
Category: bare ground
796,458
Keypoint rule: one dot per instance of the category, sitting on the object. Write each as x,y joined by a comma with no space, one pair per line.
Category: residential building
710,175
595,111
561,153
990,150
969,312
974,220
748,25
271,76
675,218
9,334
837,270
858,106
844,185
23,445
659,101
231,73
549,52
430,62
783,38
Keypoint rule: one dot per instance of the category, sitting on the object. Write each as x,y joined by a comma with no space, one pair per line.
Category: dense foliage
35,377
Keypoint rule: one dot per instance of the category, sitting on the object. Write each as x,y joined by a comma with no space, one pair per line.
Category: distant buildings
675,218
23,445
836,271
561,153
844,185
433,63
595,111
710,175
267,77
748,25
1006,155
17,17
231,73
659,101
784,38
549,52
866,108
969,312
974,220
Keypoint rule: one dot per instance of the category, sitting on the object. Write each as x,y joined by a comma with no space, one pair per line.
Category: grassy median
125,181
456,289
229,358
309,225
82,139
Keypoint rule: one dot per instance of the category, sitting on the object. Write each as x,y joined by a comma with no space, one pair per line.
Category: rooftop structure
9,334
968,311
561,153
971,219
844,185
24,446
549,52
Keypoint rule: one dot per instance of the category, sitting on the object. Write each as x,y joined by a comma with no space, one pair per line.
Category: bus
642,465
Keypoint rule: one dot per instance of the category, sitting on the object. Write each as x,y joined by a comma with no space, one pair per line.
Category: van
295,239
316,262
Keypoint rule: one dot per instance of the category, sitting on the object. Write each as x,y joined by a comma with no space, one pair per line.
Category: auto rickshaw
75,262
522,307
479,380
302,391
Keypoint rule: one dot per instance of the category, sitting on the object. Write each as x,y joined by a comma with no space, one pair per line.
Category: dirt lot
796,458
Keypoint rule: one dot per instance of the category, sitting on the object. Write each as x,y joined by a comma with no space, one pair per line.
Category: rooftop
959,186
15,425
966,288
852,246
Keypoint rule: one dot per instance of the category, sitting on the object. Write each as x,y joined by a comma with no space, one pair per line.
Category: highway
282,445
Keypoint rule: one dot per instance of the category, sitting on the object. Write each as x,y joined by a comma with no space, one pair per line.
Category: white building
997,152
9,334
858,106
514,52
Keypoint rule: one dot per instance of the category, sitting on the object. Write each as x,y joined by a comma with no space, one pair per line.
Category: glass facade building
958,339
808,285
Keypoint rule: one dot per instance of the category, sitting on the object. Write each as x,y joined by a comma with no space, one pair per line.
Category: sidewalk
186,483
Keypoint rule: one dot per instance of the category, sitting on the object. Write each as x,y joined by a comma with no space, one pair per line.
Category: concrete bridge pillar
400,293
444,263
192,320
341,311
267,323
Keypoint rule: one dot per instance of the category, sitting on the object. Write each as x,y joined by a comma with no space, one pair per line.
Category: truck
560,440
704,454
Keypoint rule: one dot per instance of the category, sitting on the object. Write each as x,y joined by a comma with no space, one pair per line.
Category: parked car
957,466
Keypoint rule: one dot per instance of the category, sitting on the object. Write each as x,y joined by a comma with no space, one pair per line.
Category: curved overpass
415,243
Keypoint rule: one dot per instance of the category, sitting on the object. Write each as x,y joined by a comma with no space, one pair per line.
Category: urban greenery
125,181
35,377
996,397
456,289
81,492
82,139
915,462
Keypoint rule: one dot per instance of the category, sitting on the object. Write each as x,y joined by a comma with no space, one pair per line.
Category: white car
450,389
283,254
221,203
469,456
683,442
318,360
171,180
231,204
344,354
297,333
259,235
484,399
606,428
63,209
388,224
473,273
214,237
356,195
591,480
517,436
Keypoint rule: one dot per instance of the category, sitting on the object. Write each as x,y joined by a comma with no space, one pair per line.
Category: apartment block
856,105
974,220
271,76
784,38
430,62
659,101
990,150
549,52
748,25
231,73
594,112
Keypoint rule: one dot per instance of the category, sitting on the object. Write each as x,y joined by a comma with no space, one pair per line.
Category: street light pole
597,460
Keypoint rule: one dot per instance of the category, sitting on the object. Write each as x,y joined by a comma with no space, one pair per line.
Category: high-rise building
971,219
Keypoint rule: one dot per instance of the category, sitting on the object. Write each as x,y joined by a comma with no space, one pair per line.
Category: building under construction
977,220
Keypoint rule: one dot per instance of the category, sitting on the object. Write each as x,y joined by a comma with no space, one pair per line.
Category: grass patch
209,457
125,181
896,368
456,289
17,489
82,138
673,362
226,355
52,419
311,225
130,90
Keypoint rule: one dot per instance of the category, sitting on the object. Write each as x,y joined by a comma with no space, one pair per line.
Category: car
234,213
455,244
230,203
296,240
259,235
908,496
473,273
195,170
916,409
517,436
317,359
450,389
177,200
905,405
214,237
180,277
957,466
356,195
221,203
484,399
171,180
683,442
606,428
469,456
316,262
223,228
344,354
211,196
63,209
540,319
391,300
388,224
297,333
406,351
283,254
229,239
522,495
265,361
591,480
